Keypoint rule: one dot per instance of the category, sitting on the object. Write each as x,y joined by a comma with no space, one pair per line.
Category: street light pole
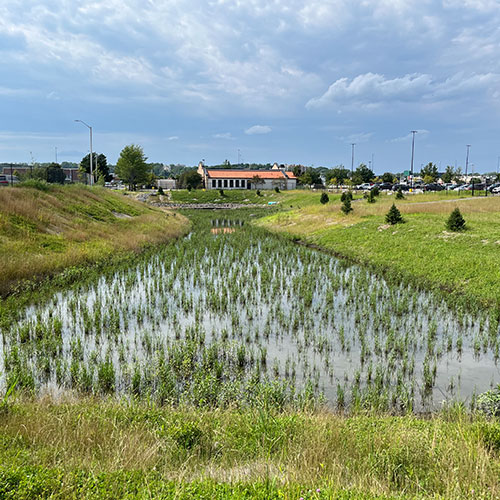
467,162
91,155
352,161
413,132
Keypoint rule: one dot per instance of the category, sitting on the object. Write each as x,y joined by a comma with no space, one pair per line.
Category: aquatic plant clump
244,318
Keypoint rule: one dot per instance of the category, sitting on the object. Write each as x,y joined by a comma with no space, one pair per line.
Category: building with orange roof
237,178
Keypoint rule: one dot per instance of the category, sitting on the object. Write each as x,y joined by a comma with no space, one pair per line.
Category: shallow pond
242,316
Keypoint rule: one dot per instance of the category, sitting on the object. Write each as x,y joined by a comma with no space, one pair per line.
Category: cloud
173,138
225,135
420,133
258,129
357,138
373,90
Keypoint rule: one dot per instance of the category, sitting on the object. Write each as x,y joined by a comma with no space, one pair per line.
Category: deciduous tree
132,168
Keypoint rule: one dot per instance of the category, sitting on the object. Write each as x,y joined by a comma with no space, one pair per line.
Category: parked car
7,179
433,187
364,186
384,186
493,186
477,186
496,190
403,187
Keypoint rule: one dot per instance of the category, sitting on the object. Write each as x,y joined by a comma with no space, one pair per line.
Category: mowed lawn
465,264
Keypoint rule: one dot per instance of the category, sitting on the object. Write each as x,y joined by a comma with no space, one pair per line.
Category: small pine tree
277,189
221,192
375,191
371,197
324,198
399,194
393,216
160,190
455,222
346,194
257,192
346,207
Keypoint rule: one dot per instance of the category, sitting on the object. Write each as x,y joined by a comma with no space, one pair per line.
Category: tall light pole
352,160
467,162
91,155
413,132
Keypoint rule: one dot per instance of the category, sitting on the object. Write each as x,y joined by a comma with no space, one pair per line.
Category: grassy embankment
104,449
464,265
100,448
46,230
285,199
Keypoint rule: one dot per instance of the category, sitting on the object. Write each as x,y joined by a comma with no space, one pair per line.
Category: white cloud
225,135
420,133
372,90
258,129
173,138
357,138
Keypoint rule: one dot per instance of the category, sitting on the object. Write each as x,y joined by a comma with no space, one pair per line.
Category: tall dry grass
443,456
42,232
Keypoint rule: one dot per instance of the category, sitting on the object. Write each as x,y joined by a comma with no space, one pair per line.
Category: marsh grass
181,325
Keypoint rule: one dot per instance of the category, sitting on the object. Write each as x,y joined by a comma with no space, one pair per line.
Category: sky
287,81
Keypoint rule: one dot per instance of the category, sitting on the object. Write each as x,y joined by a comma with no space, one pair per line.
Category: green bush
257,192
455,222
346,206
277,189
345,195
324,198
371,197
399,194
375,191
160,190
35,184
393,216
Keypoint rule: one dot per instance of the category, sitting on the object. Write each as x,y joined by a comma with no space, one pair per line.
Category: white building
225,178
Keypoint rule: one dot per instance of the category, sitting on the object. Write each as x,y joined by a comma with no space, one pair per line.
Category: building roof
227,173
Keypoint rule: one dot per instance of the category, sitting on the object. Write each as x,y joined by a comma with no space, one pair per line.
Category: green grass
106,449
43,231
286,199
464,265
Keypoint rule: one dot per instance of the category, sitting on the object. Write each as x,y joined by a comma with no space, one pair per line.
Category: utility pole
31,164
91,155
413,132
56,154
352,160
467,162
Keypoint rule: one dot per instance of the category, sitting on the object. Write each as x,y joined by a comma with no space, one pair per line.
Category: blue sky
280,80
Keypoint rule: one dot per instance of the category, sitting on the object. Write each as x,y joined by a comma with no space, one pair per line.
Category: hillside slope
46,228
